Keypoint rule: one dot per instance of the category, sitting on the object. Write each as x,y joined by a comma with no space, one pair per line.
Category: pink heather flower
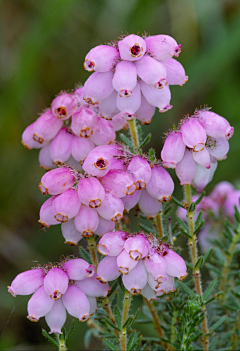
86,221
46,127
125,262
151,71
64,105
119,183
136,279
125,78
161,185
98,87
231,201
175,72
66,205
107,269
215,125
148,293
108,107
173,149
104,226
130,201
145,112
46,215
76,303
104,133
79,94
186,168
28,141
91,192
57,181
27,282
70,233
61,146
132,47
118,122
93,304
137,247
92,287
132,103
221,191
156,266
202,177
220,149
78,269
45,159
194,136
202,157
140,170
102,58
162,47
112,243
56,283
84,122
81,148
39,305
213,167
152,282
56,317
149,205
175,265
157,97
111,208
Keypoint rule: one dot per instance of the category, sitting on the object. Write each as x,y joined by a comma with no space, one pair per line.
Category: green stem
194,257
107,308
123,333
62,345
173,330
134,133
159,225
92,247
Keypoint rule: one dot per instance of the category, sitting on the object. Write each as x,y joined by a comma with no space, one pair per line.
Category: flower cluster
194,149
147,264
132,76
70,285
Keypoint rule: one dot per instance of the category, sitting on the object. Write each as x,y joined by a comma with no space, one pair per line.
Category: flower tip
182,277
25,145
101,280
10,290
42,188
33,319
70,243
85,318
89,65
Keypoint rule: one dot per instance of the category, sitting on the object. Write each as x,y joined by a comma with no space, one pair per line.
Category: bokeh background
42,49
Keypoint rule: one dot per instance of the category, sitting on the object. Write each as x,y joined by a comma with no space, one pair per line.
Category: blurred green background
43,45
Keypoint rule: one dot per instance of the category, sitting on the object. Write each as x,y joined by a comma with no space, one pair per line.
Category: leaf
139,132
121,284
235,293
199,218
111,323
178,202
131,340
146,140
199,262
47,336
217,324
183,227
135,343
207,254
237,214
186,288
213,344
188,265
147,229
126,140
110,345
200,198
151,155
87,338
85,255
128,322
209,290
143,321
70,330
137,313
118,316
199,227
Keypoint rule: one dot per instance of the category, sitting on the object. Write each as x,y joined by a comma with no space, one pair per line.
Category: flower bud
161,185
145,112
39,305
92,287
101,58
148,293
91,192
46,215
56,317
84,122
173,149
112,243
132,103
46,127
220,149
175,265
149,205
140,170
45,159
175,72
71,235
132,47
125,262
61,146
57,181
118,122
186,168
162,47
151,71
107,269
137,247
27,282
98,87
64,105
78,269
104,226
86,221
119,183
104,132
125,78
108,107
157,97
136,279
215,125
156,266
130,201
66,205
111,208
81,148
28,141
193,134
202,157
56,283
76,303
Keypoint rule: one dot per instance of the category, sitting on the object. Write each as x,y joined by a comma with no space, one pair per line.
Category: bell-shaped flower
61,146
39,305
76,303
161,185
125,78
57,181
107,269
193,134
84,122
119,183
173,149
64,105
66,205
56,283
102,58
140,170
111,208
136,279
56,317
162,47
98,87
91,192
70,233
86,221
137,247
46,127
27,282
132,47
149,205
112,243
78,269
125,262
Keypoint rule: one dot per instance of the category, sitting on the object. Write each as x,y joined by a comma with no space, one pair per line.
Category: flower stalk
133,132
159,225
123,333
92,247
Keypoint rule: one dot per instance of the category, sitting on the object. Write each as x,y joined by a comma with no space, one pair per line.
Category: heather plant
94,177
